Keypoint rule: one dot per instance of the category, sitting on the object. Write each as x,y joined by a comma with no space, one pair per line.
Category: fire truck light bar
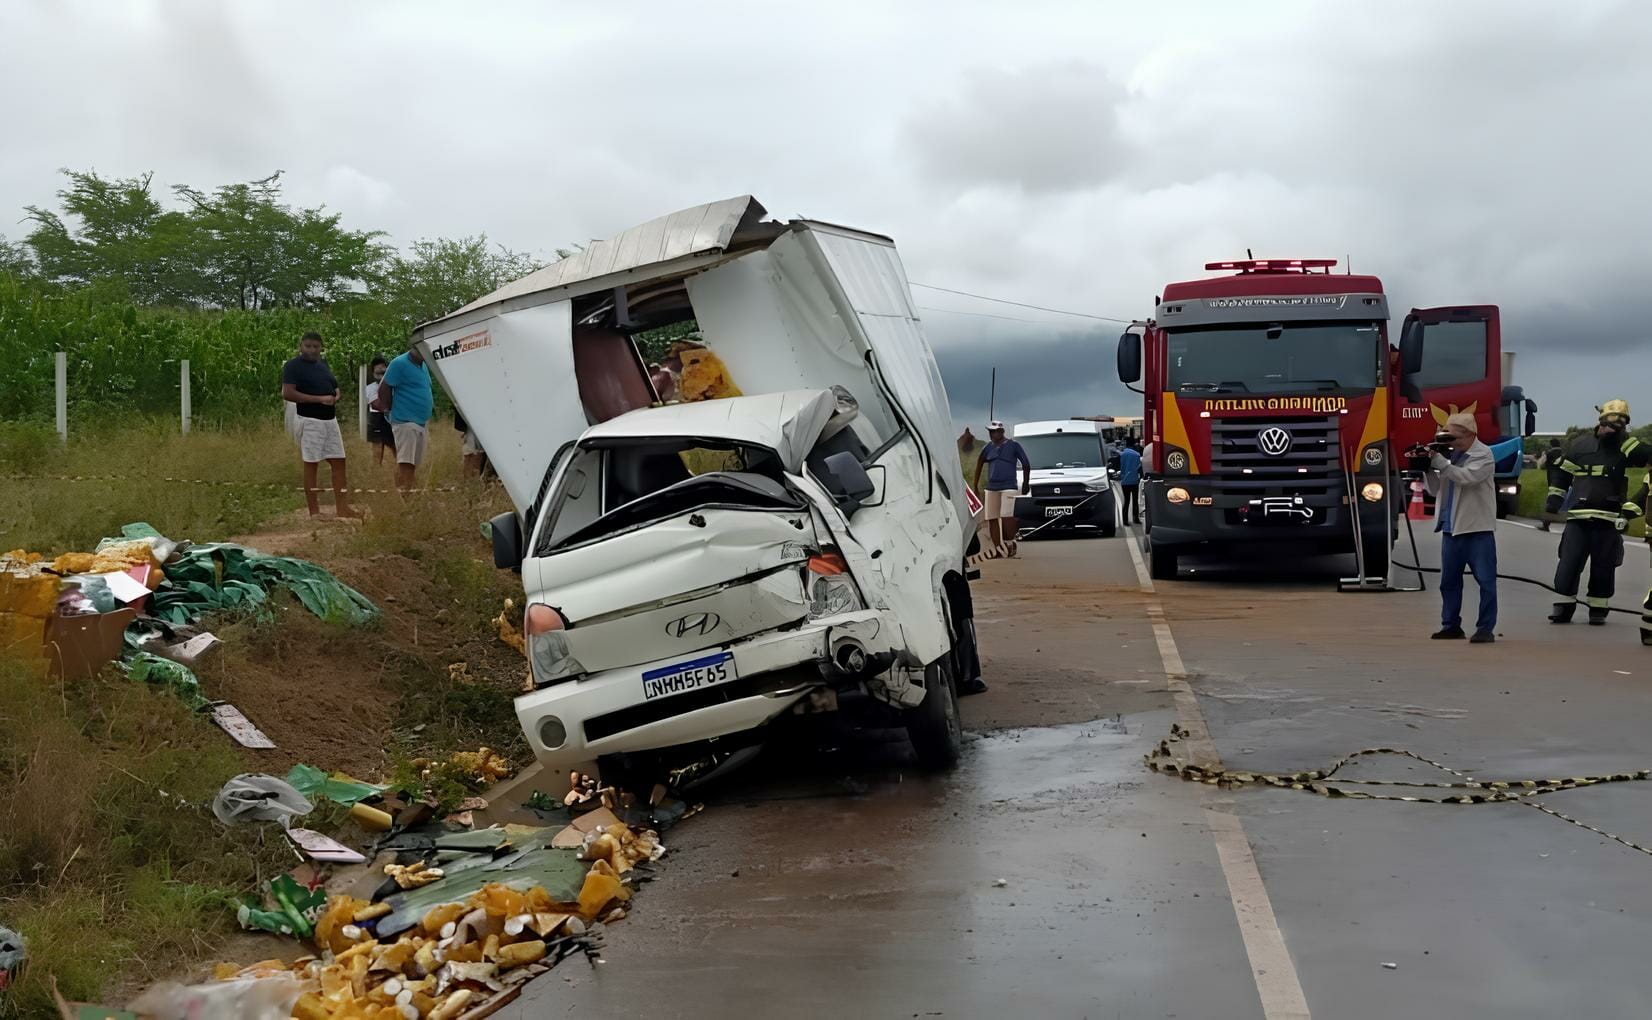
1272,265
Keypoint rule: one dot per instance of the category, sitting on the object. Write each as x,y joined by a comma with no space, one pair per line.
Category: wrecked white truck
785,523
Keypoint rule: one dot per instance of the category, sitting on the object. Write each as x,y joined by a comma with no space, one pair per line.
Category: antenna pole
992,396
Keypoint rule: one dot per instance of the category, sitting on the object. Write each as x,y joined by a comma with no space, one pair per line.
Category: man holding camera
1460,475
1596,467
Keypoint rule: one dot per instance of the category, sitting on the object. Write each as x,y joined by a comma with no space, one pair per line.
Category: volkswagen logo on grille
1056,490
1275,441
701,624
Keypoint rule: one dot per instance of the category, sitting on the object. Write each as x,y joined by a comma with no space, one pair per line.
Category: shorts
470,446
411,438
319,440
378,429
1001,503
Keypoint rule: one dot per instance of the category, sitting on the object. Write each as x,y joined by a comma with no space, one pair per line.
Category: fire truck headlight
1177,495
1372,492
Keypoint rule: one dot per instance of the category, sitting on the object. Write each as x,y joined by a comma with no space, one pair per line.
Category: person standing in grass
406,398
308,384
378,426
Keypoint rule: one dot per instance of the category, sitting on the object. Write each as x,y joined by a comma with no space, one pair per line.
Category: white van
695,569
1071,486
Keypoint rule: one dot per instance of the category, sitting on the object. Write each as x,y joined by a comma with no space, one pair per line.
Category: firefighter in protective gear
1596,468
1639,499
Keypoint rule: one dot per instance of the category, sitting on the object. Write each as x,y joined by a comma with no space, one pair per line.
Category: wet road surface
835,879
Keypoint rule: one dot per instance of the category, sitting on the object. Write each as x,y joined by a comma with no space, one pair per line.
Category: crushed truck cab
767,518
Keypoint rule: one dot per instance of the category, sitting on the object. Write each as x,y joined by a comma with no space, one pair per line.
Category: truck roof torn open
784,306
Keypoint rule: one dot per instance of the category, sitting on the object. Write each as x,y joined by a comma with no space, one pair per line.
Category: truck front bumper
573,722
1322,522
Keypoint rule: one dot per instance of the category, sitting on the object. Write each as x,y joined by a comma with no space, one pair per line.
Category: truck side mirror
506,531
851,483
1531,417
1129,358
1411,348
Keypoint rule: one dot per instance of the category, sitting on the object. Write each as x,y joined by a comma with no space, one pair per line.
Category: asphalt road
1052,875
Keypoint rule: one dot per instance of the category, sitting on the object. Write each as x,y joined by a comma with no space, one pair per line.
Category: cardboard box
79,646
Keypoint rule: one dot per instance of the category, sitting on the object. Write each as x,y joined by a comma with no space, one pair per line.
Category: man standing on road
308,385
1000,458
1596,467
1550,463
1465,494
406,398
1130,481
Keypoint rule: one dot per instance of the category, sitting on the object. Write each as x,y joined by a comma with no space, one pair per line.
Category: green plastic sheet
208,578
315,784
295,912
152,669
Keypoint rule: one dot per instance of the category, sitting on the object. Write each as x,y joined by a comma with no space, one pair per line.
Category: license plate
681,677
1057,511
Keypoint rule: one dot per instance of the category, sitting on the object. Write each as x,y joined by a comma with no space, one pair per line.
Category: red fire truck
1275,407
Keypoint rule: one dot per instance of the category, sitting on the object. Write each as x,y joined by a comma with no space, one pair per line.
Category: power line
985,315
1023,304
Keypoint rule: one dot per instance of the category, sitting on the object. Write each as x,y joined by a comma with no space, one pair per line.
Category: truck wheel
1109,519
1504,507
1161,562
935,727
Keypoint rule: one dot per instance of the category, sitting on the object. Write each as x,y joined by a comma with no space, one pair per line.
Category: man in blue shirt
1130,481
407,400
1000,459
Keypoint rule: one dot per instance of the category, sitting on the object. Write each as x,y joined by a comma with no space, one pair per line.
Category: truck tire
1161,562
934,726
1505,505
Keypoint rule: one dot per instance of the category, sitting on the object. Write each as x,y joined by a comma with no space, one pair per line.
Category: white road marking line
1270,961
1521,524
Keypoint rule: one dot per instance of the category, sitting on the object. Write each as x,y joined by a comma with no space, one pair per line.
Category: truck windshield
1066,450
1320,357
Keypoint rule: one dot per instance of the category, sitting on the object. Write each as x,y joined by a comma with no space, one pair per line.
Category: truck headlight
831,590
1097,484
1177,494
1372,492
1508,490
548,651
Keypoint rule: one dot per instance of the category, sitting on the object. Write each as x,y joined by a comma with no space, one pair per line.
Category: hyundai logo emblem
694,623
1275,441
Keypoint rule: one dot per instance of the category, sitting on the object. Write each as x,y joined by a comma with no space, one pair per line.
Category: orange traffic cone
1417,511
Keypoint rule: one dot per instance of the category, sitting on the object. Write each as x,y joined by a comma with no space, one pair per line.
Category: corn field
123,360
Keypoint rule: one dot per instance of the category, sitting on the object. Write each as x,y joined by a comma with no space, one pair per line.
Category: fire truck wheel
1161,562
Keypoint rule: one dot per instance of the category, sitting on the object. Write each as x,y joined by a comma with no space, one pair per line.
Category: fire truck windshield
1318,357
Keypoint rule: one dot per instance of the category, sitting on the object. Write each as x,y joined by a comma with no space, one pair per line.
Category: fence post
63,396
361,400
183,393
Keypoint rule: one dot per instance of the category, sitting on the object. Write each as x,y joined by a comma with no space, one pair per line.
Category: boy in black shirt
307,382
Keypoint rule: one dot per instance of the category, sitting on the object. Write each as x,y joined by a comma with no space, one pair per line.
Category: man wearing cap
999,459
1465,496
1596,468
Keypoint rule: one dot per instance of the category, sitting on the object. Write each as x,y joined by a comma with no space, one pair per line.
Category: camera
1419,456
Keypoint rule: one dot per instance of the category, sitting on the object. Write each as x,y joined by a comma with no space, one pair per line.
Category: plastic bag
261,998
12,954
254,797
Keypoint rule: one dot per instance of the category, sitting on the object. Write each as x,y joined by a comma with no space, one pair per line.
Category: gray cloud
1043,128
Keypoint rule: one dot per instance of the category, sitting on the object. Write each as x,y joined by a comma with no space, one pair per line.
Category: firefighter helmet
1614,412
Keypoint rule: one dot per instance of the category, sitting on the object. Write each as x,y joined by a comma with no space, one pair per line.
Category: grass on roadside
104,873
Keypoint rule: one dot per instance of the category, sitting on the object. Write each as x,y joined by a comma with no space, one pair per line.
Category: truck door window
575,500
1454,353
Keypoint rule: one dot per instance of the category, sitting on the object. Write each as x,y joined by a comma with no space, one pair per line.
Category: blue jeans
1477,552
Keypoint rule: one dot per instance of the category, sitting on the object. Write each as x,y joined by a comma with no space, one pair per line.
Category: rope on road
271,486
1163,759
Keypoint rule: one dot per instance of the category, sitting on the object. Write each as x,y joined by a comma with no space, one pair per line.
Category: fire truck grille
1248,456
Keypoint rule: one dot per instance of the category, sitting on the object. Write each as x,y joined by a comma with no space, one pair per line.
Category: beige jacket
1474,503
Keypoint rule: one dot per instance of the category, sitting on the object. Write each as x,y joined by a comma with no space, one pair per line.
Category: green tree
14,259
115,231
250,251
437,276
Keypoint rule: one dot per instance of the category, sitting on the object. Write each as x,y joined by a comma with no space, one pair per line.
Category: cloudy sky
1075,155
